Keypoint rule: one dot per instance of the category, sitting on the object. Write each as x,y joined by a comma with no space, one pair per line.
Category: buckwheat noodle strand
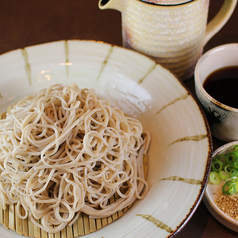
64,151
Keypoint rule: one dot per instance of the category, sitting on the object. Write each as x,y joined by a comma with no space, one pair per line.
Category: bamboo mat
82,226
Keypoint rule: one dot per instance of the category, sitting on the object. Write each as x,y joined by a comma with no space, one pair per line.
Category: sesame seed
229,205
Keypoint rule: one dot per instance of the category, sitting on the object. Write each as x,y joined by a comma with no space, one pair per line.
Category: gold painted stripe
185,96
190,181
148,72
1,96
156,222
66,46
190,138
104,63
27,65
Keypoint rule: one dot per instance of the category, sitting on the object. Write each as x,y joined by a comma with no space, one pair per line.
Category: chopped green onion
236,183
214,177
235,148
217,165
223,175
229,188
232,158
225,187
228,168
234,172
225,167
232,189
221,157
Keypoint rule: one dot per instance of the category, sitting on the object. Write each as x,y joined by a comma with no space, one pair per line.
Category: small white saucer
213,191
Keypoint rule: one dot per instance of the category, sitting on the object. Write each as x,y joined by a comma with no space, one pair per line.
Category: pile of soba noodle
64,151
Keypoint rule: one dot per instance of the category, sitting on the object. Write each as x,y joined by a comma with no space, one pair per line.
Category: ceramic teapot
173,34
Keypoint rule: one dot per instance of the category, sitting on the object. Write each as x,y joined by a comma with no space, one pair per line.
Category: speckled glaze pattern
173,36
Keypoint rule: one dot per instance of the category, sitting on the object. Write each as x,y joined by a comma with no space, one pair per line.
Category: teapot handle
220,19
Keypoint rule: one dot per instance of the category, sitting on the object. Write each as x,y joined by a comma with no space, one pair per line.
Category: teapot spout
112,4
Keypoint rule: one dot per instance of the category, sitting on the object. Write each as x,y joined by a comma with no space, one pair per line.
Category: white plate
181,141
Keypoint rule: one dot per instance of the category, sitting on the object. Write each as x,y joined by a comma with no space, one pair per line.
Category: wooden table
24,23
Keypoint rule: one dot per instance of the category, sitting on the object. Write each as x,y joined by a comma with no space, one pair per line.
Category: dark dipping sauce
222,85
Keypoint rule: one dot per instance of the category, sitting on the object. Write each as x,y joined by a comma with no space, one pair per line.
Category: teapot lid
167,2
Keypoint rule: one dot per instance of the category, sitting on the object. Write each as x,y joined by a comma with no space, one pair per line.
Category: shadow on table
202,224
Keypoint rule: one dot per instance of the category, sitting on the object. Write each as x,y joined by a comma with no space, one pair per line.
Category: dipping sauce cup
223,119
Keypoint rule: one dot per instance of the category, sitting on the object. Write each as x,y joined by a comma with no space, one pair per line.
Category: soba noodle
64,151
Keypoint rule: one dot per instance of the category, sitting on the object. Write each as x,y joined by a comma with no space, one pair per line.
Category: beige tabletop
24,23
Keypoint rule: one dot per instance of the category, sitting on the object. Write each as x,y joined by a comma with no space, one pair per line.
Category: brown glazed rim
164,4
104,2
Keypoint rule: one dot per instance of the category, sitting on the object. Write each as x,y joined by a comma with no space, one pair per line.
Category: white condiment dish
214,191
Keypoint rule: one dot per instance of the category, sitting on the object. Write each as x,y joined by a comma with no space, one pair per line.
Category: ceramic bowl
212,193
180,149
222,118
